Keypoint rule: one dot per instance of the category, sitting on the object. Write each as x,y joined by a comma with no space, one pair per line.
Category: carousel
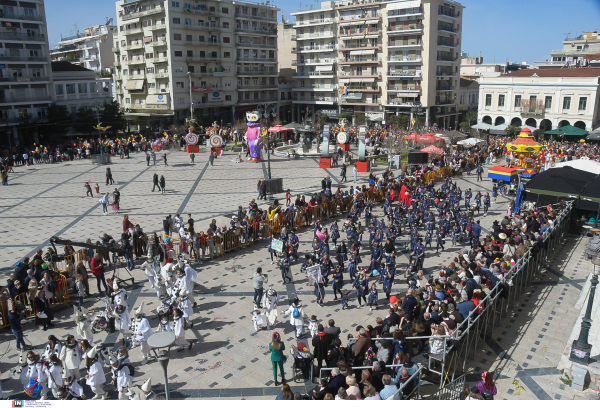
525,161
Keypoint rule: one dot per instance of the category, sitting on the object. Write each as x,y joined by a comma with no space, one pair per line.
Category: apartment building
541,98
376,58
25,73
174,55
574,52
91,49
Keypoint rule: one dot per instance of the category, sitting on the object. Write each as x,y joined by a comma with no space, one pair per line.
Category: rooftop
466,82
557,73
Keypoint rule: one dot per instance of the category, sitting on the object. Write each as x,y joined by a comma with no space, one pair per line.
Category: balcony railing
21,58
306,36
329,47
144,106
246,44
314,61
405,12
11,98
202,10
405,44
202,59
135,46
19,16
446,27
265,31
417,26
159,43
443,99
158,26
248,71
213,43
315,21
410,74
160,75
413,88
446,11
359,31
444,72
532,107
315,86
25,79
136,61
318,99
393,60
260,86
21,37
393,101
353,87
203,27
257,59
446,58
366,60
147,12
445,88
262,16
116,50
447,43
258,100
314,73
157,60
136,30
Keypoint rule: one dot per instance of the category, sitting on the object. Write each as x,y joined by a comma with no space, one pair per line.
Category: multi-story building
541,98
91,49
174,55
468,94
574,52
78,87
25,74
474,67
376,58
257,68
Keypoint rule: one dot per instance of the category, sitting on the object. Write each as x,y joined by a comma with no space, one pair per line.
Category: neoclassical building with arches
544,99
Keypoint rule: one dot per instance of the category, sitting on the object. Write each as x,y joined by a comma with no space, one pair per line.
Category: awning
363,80
371,21
406,94
372,36
359,36
344,80
147,39
356,23
324,68
403,5
362,52
134,84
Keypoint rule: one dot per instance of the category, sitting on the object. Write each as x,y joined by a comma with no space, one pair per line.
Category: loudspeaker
417,157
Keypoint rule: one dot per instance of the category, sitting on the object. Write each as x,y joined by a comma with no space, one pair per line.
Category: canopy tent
552,185
454,135
279,129
428,138
594,136
481,126
294,126
433,150
499,130
586,165
470,141
568,131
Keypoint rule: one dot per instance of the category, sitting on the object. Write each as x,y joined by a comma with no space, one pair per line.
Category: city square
345,200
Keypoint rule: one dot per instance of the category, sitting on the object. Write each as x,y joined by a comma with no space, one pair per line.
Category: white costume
84,331
73,387
166,272
312,327
122,319
164,327
54,374
142,332
71,358
50,350
296,321
180,332
257,318
121,376
147,393
120,294
151,269
185,304
270,302
32,371
95,377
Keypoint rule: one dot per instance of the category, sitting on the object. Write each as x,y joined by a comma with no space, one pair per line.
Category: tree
471,116
59,121
85,121
398,122
347,116
360,120
513,130
465,127
321,119
112,115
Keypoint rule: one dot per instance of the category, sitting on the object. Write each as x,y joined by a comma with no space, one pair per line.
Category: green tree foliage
398,122
59,121
113,116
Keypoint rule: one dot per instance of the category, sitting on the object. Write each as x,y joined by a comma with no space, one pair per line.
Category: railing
402,44
361,17
10,98
314,61
135,30
134,46
21,58
255,44
361,59
257,59
258,100
59,298
405,12
155,10
266,31
313,73
116,49
315,86
399,60
203,10
203,27
261,86
158,43
404,88
202,59
248,71
262,16
201,43
158,26
445,88
314,48
359,31
444,72
156,107
24,79
22,37
137,60
447,43
446,27
446,11
158,59
352,87
14,16
313,35
317,21
446,58
412,74
399,103
318,99
417,26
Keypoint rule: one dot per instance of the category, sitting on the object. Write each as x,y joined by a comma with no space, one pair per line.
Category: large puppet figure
253,135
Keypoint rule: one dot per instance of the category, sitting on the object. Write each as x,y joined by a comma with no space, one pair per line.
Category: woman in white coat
83,330
269,304
185,304
53,371
296,313
70,355
151,269
121,375
179,330
95,378
32,369
53,347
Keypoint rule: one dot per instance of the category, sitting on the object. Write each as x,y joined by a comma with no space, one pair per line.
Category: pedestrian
296,313
104,200
259,190
259,280
479,173
486,386
276,347
95,378
80,290
155,182
165,158
162,184
116,200
97,188
88,189
192,156
97,267
109,177
263,189
15,316
147,159
179,330
4,177
211,157
355,173
343,173
153,157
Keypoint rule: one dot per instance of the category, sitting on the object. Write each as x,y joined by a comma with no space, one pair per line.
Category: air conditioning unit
163,90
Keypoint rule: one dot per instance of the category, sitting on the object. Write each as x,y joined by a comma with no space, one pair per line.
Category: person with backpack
296,313
486,386
122,371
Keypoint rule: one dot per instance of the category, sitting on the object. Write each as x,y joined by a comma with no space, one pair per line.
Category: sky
501,30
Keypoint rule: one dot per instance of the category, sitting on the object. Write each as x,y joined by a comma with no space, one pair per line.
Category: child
288,198
257,318
345,300
373,297
80,288
97,187
312,325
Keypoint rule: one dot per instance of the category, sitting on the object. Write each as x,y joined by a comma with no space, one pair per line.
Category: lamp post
160,344
98,107
266,110
191,100
581,349
415,110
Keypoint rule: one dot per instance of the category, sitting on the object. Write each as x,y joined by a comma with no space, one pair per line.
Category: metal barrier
4,306
416,376
59,298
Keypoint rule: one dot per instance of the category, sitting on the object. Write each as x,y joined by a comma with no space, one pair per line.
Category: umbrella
470,141
412,136
433,150
279,129
428,138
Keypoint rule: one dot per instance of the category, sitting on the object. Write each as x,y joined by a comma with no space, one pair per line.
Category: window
488,100
149,55
188,37
181,101
59,89
226,55
282,96
225,10
518,101
36,73
225,25
226,40
150,70
228,97
179,85
176,20
501,101
190,69
179,53
177,37
70,89
151,85
93,87
174,4
548,102
188,21
179,69
127,100
190,53
583,103
187,5
567,103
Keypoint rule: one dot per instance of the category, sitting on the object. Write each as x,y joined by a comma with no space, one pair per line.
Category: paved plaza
229,360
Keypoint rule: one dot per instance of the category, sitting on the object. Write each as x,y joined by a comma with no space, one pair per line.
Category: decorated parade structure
525,159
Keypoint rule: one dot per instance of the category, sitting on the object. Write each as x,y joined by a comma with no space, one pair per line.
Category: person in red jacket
126,223
97,266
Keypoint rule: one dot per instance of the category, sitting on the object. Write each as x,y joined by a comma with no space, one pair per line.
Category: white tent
582,164
481,126
470,141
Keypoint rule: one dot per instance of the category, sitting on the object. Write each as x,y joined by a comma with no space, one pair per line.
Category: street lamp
98,107
581,349
266,110
191,100
415,110
160,343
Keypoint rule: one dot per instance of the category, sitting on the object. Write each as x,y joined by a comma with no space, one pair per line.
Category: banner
201,89
277,245
313,273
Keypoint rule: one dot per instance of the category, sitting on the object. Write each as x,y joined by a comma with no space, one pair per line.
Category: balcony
255,72
403,88
359,46
160,75
158,60
407,28
403,44
314,74
212,43
359,60
308,48
157,26
203,10
405,74
447,12
25,79
117,63
308,61
344,74
136,61
20,58
363,88
312,87
447,27
31,98
248,44
152,107
317,99
531,107
263,31
116,50
131,31
21,37
361,31
401,60
444,100
19,16
258,100
91,57
143,13
261,86
400,103
445,88
444,72
447,43
446,58
318,21
358,17
136,76
310,36
406,13
135,46
158,43
202,59
261,17
203,27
